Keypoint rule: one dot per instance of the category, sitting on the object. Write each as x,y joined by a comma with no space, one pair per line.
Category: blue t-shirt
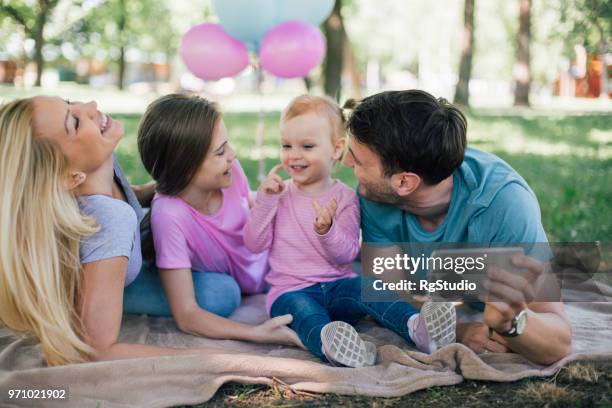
491,204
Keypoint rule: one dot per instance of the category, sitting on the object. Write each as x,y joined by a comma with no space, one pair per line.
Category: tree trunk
121,25
121,68
39,40
604,87
352,67
462,91
522,69
333,28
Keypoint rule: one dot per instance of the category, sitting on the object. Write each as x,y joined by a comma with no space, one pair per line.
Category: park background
532,76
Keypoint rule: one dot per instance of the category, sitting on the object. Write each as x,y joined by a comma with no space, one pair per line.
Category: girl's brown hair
174,136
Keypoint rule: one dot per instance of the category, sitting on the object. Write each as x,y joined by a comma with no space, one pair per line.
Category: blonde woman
64,263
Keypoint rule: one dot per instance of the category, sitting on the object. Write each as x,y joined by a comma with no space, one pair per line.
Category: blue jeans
217,293
315,306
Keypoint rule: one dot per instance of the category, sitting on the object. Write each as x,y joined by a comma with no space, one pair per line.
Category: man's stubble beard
380,192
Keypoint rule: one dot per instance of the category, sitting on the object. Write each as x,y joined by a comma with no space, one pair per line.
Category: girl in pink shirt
197,218
310,226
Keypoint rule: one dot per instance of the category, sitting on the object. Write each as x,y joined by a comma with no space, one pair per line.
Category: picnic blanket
192,379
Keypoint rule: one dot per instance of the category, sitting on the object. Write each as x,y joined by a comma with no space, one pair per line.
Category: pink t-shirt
299,257
186,238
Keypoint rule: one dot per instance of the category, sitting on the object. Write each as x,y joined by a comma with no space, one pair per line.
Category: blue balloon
247,20
250,20
310,11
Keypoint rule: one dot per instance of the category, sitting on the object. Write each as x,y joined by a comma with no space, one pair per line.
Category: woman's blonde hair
40,231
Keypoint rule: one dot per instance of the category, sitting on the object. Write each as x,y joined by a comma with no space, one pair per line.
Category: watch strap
513,332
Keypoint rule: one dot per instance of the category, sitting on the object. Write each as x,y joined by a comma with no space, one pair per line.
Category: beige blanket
167,381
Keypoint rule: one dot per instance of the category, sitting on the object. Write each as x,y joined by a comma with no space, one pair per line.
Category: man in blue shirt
419,183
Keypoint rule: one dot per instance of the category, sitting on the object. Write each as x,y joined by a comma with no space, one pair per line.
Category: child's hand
277,330
274,183
324,216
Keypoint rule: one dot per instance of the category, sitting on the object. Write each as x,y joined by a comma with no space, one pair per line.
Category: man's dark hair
411,131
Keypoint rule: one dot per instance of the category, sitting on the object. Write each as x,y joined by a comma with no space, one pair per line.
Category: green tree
117,25
32,18
462,90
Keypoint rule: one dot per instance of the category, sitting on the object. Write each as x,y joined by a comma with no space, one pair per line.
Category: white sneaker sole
440,321
342,345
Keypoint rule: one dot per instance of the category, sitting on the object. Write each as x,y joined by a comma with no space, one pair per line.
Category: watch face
521,322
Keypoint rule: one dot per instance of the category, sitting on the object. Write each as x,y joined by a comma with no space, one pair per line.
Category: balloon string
260,130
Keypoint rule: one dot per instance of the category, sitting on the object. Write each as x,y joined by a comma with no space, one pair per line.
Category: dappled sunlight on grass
552,134
601,136
518,144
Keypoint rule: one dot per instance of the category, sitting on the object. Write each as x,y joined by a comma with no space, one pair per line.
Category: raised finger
274,170
278,179
332,207
317,207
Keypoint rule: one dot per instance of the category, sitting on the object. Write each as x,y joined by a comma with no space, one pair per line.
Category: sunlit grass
567,160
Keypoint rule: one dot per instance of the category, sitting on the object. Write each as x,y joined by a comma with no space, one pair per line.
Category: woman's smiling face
86,136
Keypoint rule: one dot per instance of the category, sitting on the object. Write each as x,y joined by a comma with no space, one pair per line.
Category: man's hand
274,183
476,336
508,293
324,216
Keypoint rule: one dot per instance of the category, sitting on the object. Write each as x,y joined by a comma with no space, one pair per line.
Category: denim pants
315,306
217,293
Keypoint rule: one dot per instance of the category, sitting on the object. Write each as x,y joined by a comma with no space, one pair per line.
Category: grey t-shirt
119,222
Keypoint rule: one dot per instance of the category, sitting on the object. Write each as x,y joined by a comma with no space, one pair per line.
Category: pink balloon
292,49
210,53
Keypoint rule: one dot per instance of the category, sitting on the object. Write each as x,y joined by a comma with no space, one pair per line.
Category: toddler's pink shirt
299,257
186,238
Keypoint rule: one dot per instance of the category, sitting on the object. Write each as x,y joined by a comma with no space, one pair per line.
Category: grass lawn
567,160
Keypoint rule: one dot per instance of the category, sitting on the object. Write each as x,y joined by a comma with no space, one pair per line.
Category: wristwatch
517,327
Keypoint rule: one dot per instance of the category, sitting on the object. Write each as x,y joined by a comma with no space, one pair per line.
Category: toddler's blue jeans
315,306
